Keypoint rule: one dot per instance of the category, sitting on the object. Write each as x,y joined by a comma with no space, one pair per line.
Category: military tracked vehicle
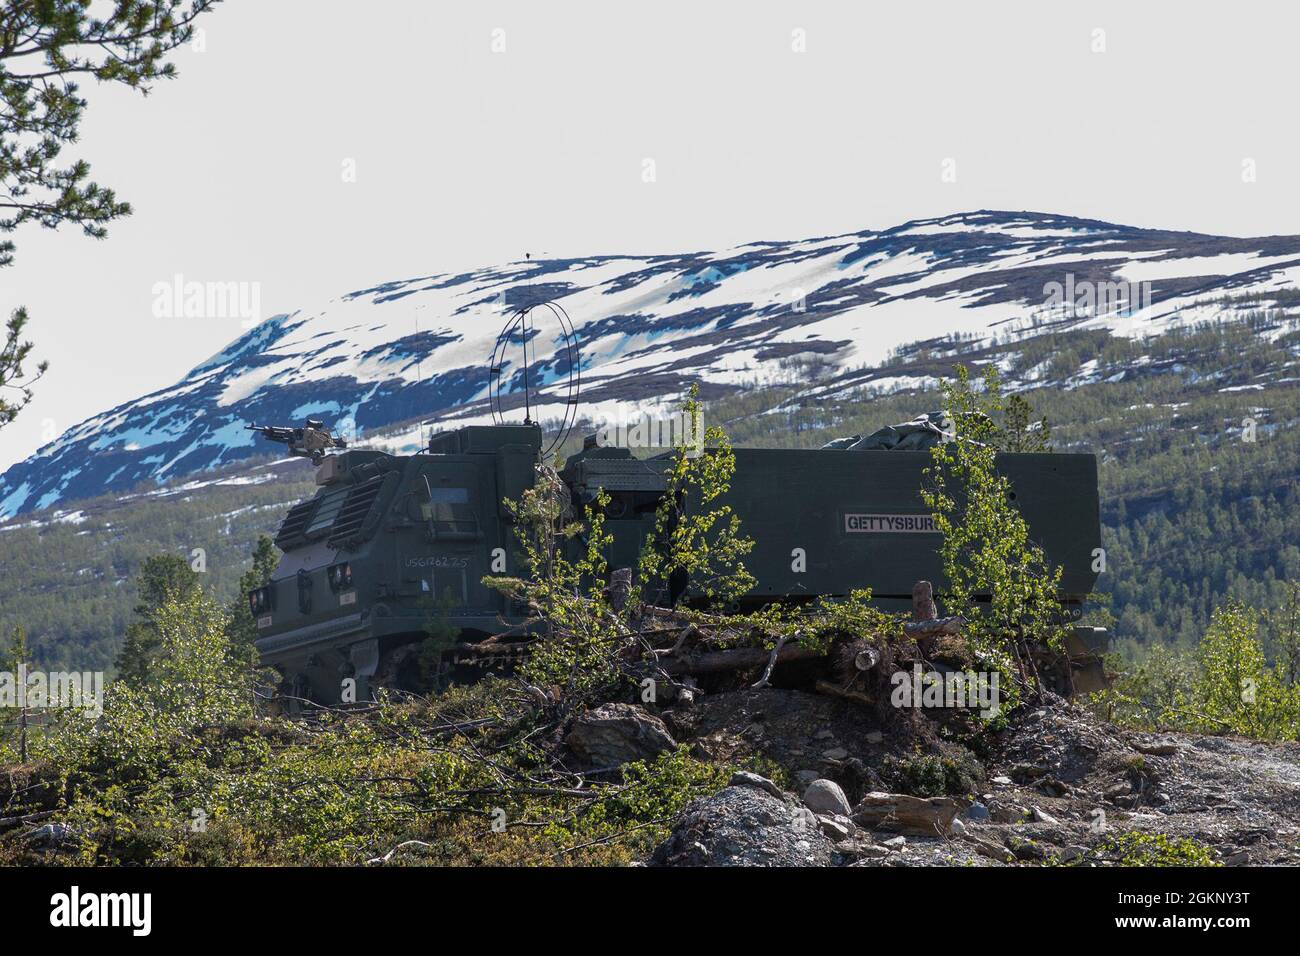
380,583
391,543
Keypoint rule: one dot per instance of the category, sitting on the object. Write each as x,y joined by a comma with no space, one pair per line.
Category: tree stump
620,587
923,608
851,660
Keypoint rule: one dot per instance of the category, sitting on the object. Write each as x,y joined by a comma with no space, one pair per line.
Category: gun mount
312,441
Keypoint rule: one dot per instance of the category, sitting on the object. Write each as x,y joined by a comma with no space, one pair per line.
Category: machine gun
312,441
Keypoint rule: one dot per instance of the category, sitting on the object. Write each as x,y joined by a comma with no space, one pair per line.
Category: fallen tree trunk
866,658
935,627
717,662
851,660
26,818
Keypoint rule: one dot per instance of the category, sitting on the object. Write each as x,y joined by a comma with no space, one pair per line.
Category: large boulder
614,734
825,796
745,825
903,813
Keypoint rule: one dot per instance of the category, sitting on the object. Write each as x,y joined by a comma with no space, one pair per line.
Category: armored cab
386,545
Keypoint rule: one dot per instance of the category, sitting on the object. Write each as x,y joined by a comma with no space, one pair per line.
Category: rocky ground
1051,788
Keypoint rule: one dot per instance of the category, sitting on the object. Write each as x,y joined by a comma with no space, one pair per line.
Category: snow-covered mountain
648,325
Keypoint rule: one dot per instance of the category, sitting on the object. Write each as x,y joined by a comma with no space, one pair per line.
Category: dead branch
25,818
687,632
389,855
776,652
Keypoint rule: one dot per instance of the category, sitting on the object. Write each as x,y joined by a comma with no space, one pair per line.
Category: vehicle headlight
259,600
340,576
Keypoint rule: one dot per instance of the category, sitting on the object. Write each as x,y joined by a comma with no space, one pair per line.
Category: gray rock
1157,748
1236,858
615,734
895,843
1053,787
1026,849
994,851
805,778
825,796
835,753
1002,781
977,812
1008,813
52,835
743,778
1042,816
685,697
874,737
745,826
835,826
1028,771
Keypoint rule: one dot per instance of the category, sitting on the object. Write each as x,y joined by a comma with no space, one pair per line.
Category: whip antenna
419,375
523,326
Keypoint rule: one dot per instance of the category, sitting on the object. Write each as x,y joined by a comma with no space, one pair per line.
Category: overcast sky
314,147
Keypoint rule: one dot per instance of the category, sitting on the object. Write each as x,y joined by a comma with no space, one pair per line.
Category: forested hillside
68,576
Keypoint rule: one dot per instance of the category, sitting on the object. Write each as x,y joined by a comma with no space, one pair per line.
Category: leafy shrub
986,547
1151,849
1226,685
932,775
